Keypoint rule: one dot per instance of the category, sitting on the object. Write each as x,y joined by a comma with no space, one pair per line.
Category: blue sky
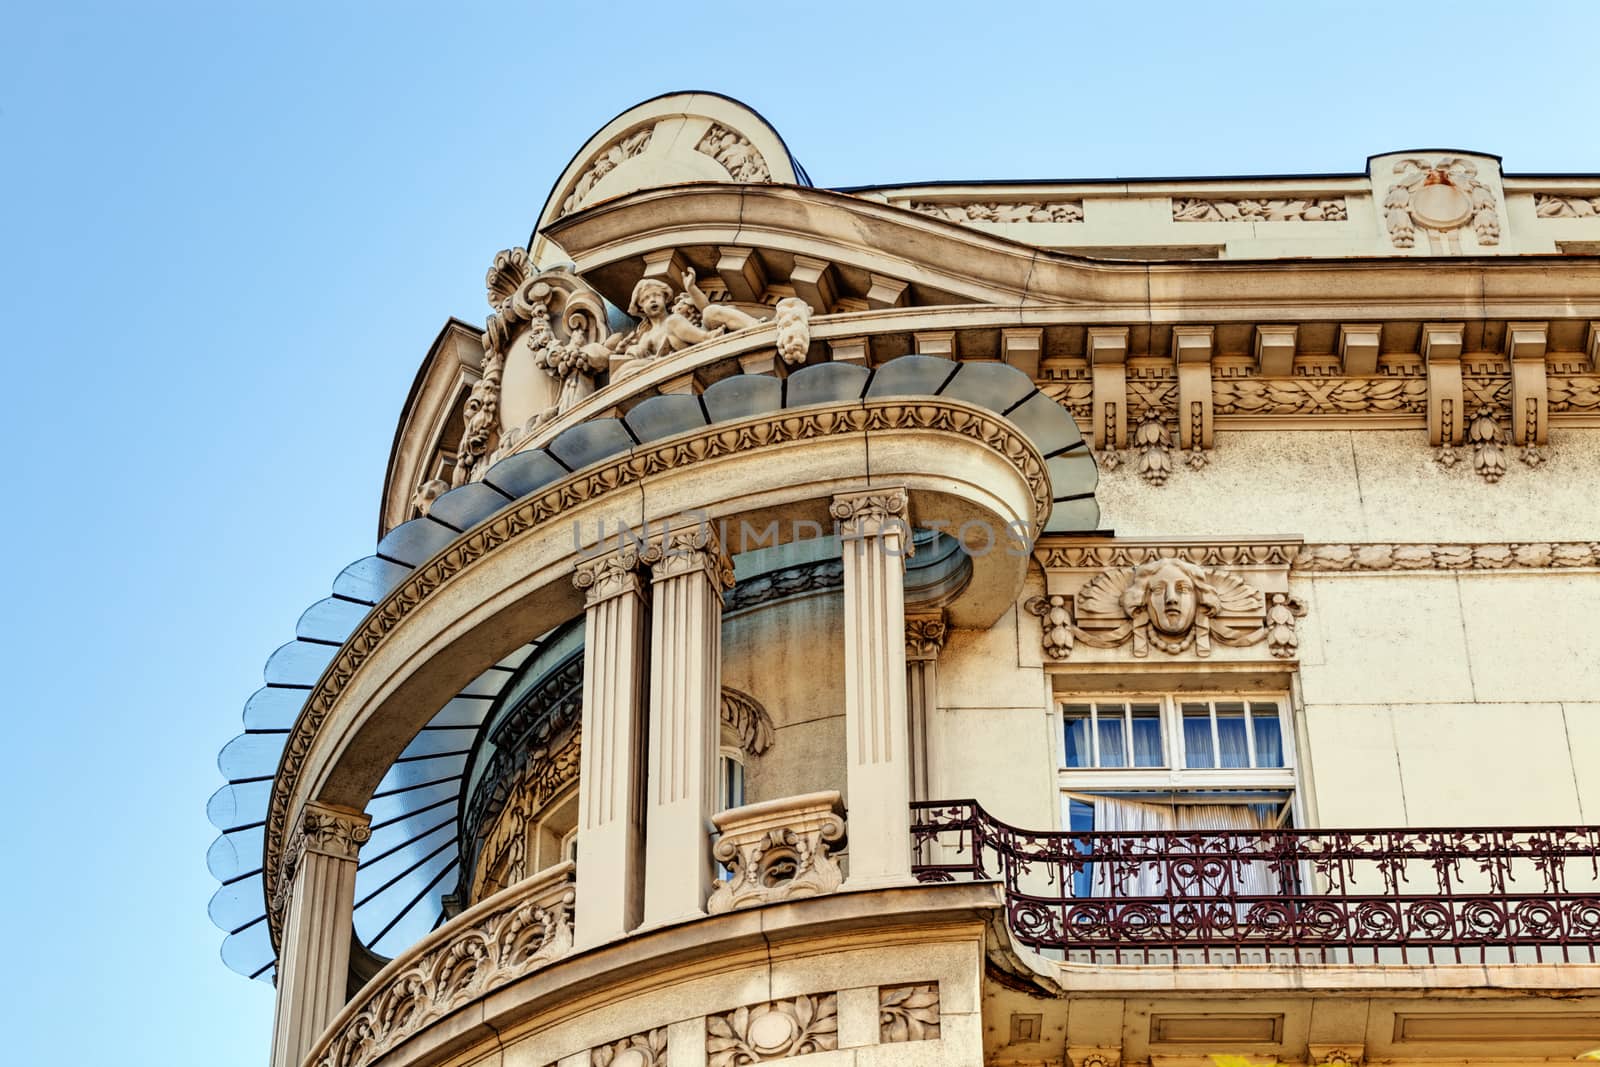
230,233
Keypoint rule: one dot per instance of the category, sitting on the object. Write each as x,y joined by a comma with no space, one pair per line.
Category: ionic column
924,641
314,957
688,573
875,535
610,888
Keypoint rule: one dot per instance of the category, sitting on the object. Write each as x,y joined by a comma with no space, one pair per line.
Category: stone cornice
923,250
532,514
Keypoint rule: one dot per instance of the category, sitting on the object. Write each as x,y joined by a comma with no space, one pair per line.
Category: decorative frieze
484,949
1336,1055
908,1013
605,161
1244,209
1563,206
1093,556
1320,396
992,211
776,1030
741,159
822,576
778,850
1488,556
647,1049
1574,394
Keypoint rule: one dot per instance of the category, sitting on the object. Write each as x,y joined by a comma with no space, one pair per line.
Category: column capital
691,550
610,575
925,634
873,512
323,830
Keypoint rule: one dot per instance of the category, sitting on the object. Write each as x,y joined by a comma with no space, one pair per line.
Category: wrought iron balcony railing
1495,895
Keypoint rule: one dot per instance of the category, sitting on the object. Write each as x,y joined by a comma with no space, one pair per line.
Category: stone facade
967,647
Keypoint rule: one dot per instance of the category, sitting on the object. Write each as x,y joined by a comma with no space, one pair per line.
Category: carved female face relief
1170,597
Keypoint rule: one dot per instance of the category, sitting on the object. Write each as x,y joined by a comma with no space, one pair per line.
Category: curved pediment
673,139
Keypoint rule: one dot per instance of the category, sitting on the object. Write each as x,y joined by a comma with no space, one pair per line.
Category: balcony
1414,896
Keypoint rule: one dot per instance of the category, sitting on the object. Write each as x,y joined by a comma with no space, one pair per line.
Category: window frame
1175,775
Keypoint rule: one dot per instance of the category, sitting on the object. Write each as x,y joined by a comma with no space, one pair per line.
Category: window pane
1197,736
1147,736
1079,754
1113,746
1080,819
1232,742
1269,735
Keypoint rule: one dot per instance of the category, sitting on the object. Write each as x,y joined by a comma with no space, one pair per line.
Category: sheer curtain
1252,877
1122,880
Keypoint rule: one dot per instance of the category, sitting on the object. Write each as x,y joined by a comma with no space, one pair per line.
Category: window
1231,734
1161,743
730,779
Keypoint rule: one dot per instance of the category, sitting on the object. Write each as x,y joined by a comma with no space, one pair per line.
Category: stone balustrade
490,945
779,850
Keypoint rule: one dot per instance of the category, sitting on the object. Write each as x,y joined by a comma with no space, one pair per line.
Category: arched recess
486,593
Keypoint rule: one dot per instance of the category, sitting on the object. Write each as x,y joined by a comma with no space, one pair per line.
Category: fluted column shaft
314,960
688,574
610,875
924,641
875,536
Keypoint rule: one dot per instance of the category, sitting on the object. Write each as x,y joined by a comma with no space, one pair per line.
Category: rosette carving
776,1030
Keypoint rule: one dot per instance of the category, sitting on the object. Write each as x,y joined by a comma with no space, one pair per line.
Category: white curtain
1149,879
1145,879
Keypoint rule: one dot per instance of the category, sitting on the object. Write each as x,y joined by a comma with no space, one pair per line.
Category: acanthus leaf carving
458,965
776,1030
778,850
1152,441
745,716
908,1013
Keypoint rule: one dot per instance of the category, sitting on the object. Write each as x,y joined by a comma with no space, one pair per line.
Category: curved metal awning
407,865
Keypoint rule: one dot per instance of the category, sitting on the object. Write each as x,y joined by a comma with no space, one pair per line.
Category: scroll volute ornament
778,850
544,347
1172,605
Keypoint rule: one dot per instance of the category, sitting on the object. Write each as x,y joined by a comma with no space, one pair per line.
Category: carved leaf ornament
908,1013
777,1030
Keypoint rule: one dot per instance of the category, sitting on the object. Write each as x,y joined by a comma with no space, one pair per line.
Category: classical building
1028,622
